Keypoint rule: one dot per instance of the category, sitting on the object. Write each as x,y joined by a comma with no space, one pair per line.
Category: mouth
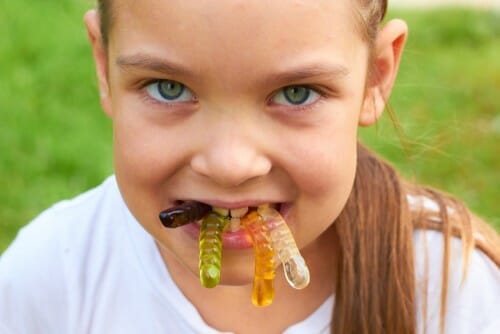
189,215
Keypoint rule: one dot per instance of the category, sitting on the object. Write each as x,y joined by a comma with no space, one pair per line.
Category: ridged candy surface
263,282
210,247
294,265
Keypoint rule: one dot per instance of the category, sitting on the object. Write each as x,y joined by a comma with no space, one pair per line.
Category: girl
238,104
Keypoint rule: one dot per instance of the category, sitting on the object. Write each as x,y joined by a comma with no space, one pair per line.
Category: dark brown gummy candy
184,213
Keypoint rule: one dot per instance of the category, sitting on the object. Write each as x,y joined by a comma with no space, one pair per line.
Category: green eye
296,94
170,90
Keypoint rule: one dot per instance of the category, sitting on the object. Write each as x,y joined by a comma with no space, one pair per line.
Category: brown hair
105,15
376,287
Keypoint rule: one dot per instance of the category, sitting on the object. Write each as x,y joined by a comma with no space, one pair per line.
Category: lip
234,204
238,240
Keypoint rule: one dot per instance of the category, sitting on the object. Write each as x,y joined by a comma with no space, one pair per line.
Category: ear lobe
385,64
91,19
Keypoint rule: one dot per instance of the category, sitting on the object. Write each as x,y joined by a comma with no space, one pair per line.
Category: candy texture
296,271
263,282
211,249
183,214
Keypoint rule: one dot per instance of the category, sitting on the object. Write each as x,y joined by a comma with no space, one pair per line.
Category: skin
237,139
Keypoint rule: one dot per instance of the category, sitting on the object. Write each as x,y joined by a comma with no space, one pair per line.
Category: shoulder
473,287
64,224
34,269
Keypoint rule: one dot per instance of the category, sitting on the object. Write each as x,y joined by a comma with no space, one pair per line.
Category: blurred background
56,143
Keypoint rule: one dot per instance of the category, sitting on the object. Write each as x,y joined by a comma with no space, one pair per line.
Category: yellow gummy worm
263,281
211,249
294,266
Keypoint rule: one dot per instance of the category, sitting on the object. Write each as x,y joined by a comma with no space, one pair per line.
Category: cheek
145,154
325,162
325,182
144,151
327,169
137,157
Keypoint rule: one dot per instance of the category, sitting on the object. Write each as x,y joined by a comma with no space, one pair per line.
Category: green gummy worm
212,226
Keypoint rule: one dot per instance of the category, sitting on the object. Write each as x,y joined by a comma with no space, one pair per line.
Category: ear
386,57
92,22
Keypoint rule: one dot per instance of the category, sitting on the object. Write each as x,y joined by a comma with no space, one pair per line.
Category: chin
237,275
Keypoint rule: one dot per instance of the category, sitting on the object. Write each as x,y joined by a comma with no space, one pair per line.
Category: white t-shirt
87,266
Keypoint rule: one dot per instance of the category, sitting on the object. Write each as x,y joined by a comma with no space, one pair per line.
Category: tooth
221,211
264,206
237,213
234,224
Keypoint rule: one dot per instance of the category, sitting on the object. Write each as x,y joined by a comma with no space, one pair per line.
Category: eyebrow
160,65
308,72
147,62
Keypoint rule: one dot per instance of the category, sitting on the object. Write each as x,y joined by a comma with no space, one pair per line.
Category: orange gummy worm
263,282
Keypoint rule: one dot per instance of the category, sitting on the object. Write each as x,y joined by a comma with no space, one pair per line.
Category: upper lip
234,204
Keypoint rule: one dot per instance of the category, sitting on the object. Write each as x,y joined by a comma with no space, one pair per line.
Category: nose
230,158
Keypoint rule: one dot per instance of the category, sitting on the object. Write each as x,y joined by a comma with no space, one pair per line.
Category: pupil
297,94
170,90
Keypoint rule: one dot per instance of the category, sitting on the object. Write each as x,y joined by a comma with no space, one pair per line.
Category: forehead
232,33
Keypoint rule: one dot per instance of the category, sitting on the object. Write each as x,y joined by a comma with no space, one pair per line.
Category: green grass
446,100
55,142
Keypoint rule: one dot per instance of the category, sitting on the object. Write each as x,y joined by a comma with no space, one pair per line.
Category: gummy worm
183,214
211,249
294,266
263,282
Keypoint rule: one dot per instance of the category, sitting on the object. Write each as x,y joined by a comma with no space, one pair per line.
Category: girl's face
235,104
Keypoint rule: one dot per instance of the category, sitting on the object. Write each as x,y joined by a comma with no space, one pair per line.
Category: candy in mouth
210,248
263,280
294,265
270,236
184,213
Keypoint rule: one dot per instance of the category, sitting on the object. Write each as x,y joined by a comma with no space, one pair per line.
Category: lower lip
230,240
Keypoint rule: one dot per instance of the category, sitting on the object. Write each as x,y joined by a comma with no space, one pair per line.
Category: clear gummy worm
263,282
294,266
211,249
